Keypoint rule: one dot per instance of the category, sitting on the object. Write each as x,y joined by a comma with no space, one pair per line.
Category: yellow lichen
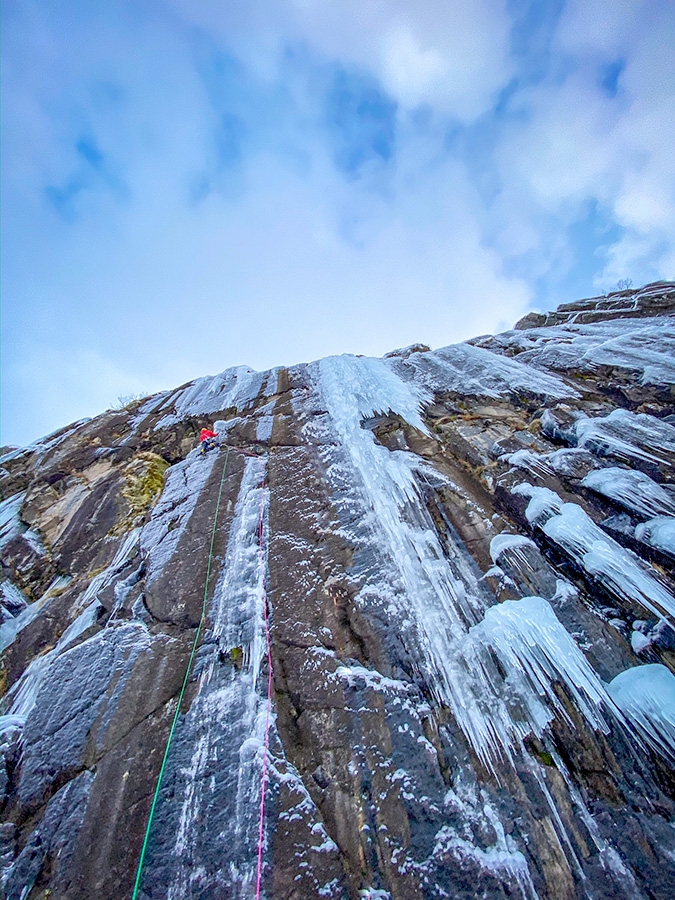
143,483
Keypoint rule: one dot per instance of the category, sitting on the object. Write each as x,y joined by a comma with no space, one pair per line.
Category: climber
209,439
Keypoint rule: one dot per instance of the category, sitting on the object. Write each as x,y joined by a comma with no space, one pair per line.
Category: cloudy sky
193,184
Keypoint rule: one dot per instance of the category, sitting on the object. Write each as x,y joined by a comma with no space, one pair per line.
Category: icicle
646,695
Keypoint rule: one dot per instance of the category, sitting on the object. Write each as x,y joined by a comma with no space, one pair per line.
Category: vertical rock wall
466,562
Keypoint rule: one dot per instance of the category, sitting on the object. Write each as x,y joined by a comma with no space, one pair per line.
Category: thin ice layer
234,388
633,490
473,371
183,485
10,522
646,695
223,731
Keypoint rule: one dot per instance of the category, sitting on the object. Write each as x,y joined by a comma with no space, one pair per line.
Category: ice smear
659,533
530,641
638,345
44,444
572,529
627,436
21,697
223,730
13,601
474,371
234,388
473,810
610,860
10,628
633,490
183,485
22,694
646,695
10,523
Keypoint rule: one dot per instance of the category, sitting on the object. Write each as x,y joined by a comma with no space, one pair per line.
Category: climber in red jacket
208,439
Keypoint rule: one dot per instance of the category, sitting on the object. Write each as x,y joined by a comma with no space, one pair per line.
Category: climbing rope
261,559
137,883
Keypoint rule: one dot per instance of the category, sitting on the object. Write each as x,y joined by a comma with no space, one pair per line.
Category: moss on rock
143,484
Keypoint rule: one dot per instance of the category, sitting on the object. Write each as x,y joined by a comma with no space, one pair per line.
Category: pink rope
261,829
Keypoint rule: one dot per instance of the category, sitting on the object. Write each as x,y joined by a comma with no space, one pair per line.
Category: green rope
182,690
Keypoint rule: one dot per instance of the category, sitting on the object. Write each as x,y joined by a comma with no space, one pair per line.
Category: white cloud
452,56
286,259
577,144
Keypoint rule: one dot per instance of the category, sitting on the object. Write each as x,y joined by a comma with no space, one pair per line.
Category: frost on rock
658,533
627,436
602,557
473,371
530,641
646,696
55,837
183,485
643,346
10,523
633,490
234,388
223,730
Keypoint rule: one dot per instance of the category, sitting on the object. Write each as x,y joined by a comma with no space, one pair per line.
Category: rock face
462,561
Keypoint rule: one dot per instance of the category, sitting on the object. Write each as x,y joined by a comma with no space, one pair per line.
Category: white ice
236,387
659,533
504,542
627,436
646,695
473,371
569,526
530,641
633,490
381,508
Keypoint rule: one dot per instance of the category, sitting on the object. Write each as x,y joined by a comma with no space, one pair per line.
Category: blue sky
193,184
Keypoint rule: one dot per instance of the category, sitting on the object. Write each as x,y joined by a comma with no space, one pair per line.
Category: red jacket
206,434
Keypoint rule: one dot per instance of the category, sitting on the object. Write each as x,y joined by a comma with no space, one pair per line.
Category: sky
189,185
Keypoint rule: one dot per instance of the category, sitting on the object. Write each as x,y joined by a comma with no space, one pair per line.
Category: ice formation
225,723
470,370
627,436
659,533
530,641
621,571
646,696
633,490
